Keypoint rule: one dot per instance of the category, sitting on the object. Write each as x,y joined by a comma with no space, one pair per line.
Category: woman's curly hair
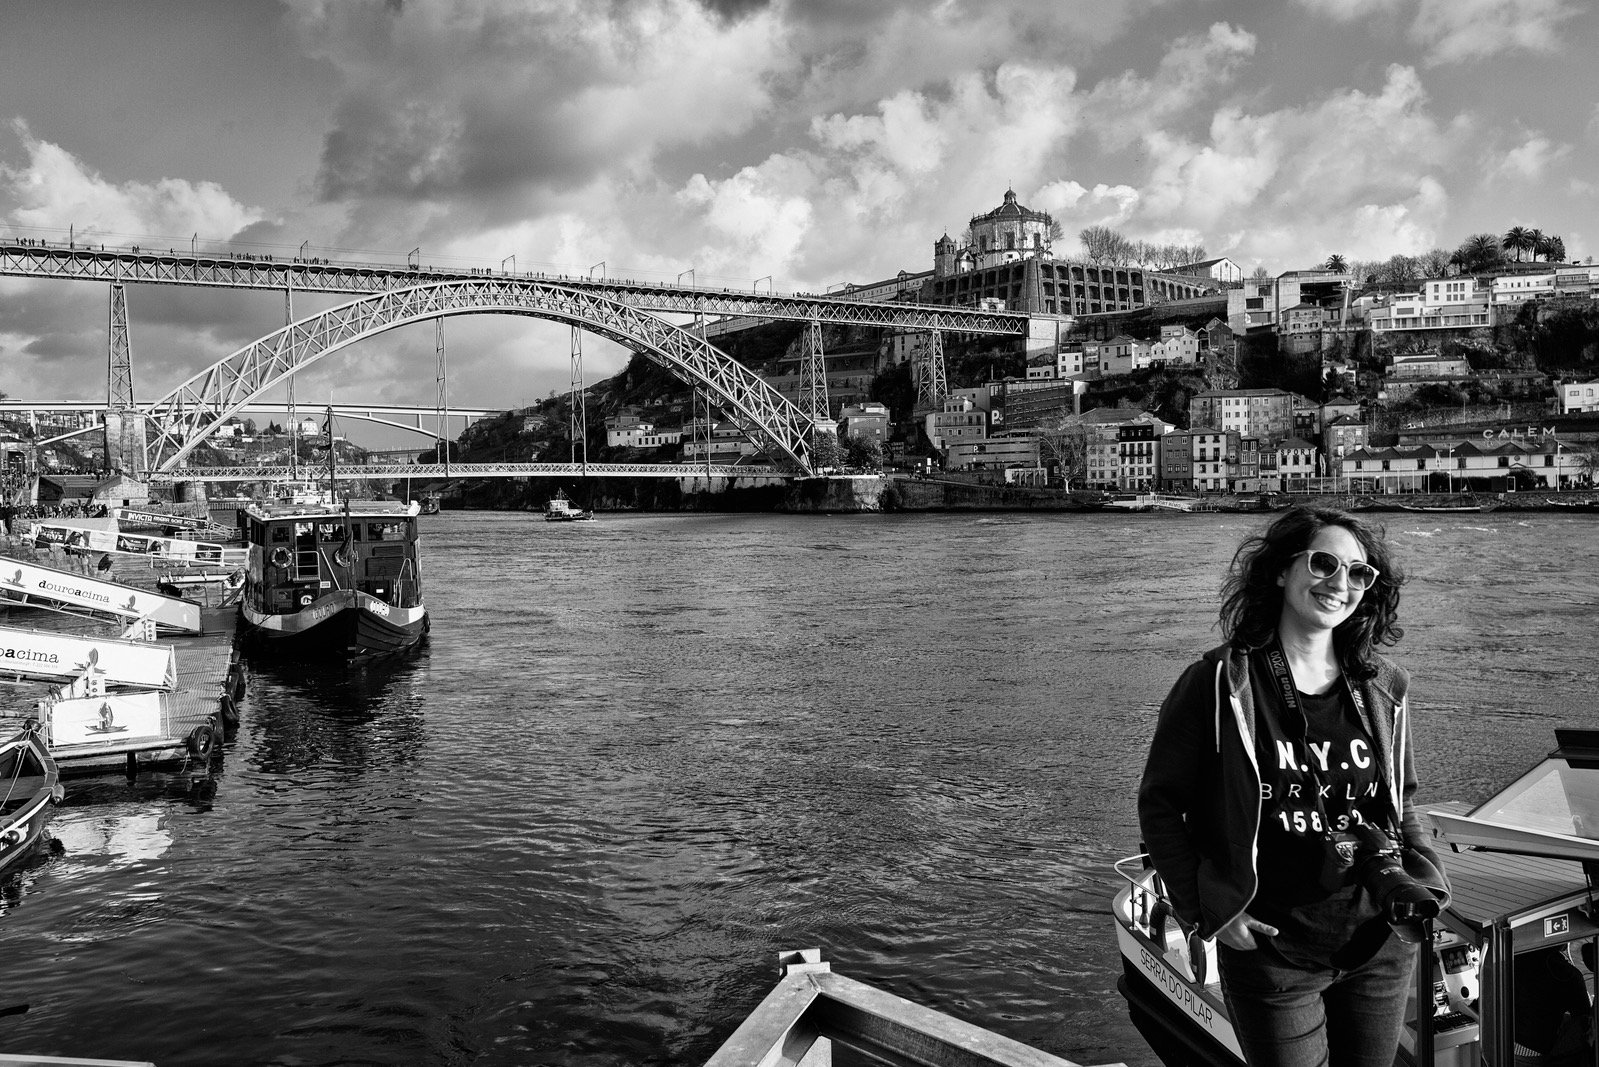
1252,601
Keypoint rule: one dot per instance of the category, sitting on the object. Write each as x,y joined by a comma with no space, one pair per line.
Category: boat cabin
298,554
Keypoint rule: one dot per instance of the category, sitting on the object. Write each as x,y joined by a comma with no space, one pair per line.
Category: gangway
102,663
30,584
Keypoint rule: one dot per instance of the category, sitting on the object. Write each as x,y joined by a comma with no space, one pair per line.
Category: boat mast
333,469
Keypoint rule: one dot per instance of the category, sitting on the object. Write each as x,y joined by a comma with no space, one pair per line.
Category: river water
640,756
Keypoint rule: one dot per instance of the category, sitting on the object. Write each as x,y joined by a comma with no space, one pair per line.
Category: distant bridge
440,471
91,415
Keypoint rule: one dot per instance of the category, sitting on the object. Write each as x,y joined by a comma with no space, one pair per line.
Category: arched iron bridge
187,415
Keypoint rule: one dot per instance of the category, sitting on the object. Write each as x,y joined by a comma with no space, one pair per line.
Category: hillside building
1011,259
1267,414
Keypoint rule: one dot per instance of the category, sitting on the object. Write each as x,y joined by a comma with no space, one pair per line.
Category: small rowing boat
30,788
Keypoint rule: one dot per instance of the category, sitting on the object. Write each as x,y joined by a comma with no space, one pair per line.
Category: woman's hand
1240,933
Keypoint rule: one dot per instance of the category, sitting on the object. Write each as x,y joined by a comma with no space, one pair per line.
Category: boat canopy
1552,810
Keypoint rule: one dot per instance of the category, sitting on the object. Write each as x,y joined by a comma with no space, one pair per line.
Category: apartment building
1267,414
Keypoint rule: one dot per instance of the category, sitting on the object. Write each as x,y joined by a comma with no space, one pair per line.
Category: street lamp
755,286
690,273
511,259
600,266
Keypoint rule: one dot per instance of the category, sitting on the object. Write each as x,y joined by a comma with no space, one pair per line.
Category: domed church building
1011,259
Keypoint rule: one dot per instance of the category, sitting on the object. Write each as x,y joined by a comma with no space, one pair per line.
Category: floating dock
126,676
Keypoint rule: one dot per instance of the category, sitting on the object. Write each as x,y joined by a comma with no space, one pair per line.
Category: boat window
385,531
280,535
1554,797
330,531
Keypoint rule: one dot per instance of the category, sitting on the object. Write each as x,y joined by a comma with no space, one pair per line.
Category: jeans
1291,1006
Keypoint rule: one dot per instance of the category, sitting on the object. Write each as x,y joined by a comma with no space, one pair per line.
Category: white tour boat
560,509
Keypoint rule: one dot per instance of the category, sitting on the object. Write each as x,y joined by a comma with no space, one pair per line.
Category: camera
1378,866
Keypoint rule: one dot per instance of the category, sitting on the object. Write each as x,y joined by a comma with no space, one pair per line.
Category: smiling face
1314,605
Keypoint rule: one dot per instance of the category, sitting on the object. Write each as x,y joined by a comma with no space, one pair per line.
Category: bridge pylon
124,423
813,376
927,365
577,421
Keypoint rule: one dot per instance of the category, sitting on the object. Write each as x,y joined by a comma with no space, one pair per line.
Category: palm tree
1335,262
1516,240
1553,249
1479,252
1535,237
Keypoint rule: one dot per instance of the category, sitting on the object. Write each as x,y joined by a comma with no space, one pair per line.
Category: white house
1578,397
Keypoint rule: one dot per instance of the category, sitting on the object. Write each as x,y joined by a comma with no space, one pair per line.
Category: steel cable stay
186,416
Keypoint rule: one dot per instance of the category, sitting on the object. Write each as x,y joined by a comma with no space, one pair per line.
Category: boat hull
1184,1022
344,624
27,763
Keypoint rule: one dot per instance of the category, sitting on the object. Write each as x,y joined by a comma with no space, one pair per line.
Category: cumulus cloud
1191,69
52,186
1303,176
1456,31
54,340
499,100
1532,159
864,187
1352,10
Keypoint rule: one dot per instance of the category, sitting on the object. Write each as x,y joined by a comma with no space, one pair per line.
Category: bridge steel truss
356,472
172,267
187,415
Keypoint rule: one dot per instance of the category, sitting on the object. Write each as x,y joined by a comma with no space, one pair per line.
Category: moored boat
1523,872
1155,502
30,788
329,581
560,509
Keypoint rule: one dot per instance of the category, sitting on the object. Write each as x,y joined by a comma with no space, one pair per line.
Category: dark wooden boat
30,789
1524,871
327,581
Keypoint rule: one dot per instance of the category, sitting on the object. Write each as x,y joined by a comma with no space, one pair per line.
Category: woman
1268,756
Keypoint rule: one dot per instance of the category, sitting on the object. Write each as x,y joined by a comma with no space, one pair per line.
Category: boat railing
811,1009
408,586
1152,912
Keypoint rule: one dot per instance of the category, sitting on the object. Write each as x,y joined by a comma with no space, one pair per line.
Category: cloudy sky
810,141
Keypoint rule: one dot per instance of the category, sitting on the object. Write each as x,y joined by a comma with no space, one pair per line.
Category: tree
1435,263
1552,248
1335,262
1260,275
1063,444
826,451
1101,244
1480,252
1399,270
1517,239
1535,238
863,453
